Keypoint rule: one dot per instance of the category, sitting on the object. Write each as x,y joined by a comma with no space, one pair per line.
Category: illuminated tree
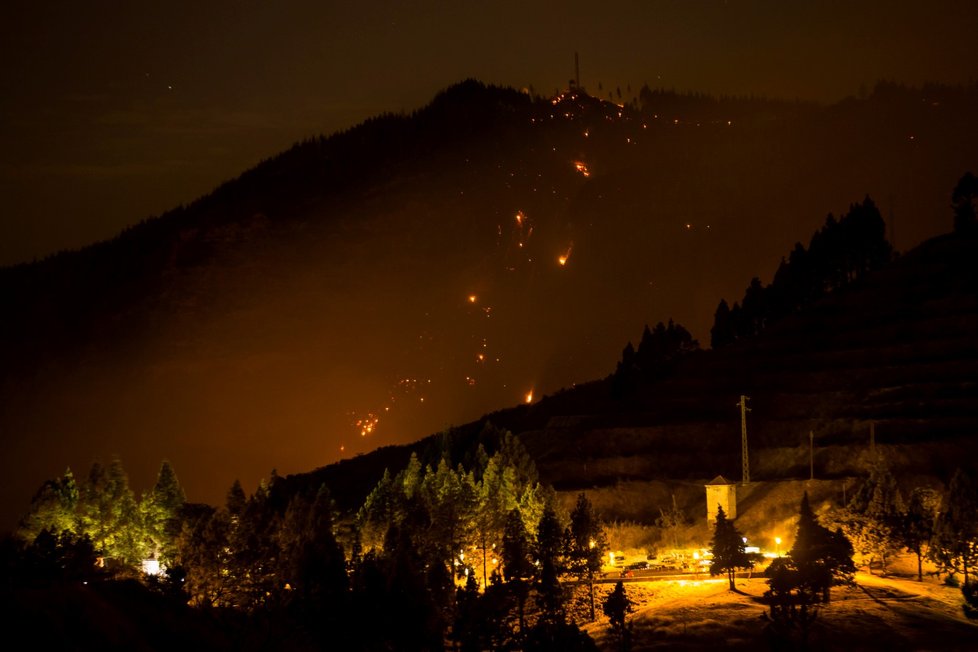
52,508
378,512
161,512
872,518
617,608
955,544
917,525
497,495
728,549
513,454
450,501
109,515
672,522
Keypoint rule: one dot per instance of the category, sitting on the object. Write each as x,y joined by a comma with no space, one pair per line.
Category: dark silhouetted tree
617,607
587,545
722,332
840,253
963,201
517,565
822,557
728,549
799,584
658,352
550,546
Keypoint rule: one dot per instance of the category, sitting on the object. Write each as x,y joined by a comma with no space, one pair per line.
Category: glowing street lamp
777,543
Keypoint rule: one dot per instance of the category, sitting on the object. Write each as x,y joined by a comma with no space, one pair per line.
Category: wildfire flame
581,167
564,257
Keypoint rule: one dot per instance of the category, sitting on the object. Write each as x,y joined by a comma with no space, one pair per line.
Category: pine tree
549,551
821,557
617,608
728,549
517,567
203,552
955,544
799,584
722,332
161,512
587,544
497,495
449,498
53,508
917,525
874,513
963,202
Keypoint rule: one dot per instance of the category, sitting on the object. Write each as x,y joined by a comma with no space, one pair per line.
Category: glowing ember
581,167
564,257
367,424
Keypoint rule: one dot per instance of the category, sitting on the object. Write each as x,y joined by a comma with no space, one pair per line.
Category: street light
777,543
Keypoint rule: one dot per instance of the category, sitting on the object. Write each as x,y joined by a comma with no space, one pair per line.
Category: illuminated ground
877,613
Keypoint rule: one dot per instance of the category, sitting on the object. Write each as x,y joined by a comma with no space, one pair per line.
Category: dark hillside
366,288
898,351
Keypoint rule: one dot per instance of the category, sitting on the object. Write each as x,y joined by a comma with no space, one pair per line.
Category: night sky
387,328
128,109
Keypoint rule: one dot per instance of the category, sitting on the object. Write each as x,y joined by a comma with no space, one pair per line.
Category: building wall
724,495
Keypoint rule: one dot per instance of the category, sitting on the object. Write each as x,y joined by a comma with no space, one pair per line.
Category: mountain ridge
332,292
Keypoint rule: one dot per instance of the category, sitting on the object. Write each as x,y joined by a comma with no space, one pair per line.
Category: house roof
718,480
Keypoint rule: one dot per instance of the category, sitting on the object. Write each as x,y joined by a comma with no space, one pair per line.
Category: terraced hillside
894,359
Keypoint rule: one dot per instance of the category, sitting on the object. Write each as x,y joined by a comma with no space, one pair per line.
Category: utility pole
745,461
811,454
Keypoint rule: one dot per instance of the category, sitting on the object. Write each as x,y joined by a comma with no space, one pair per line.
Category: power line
744,459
